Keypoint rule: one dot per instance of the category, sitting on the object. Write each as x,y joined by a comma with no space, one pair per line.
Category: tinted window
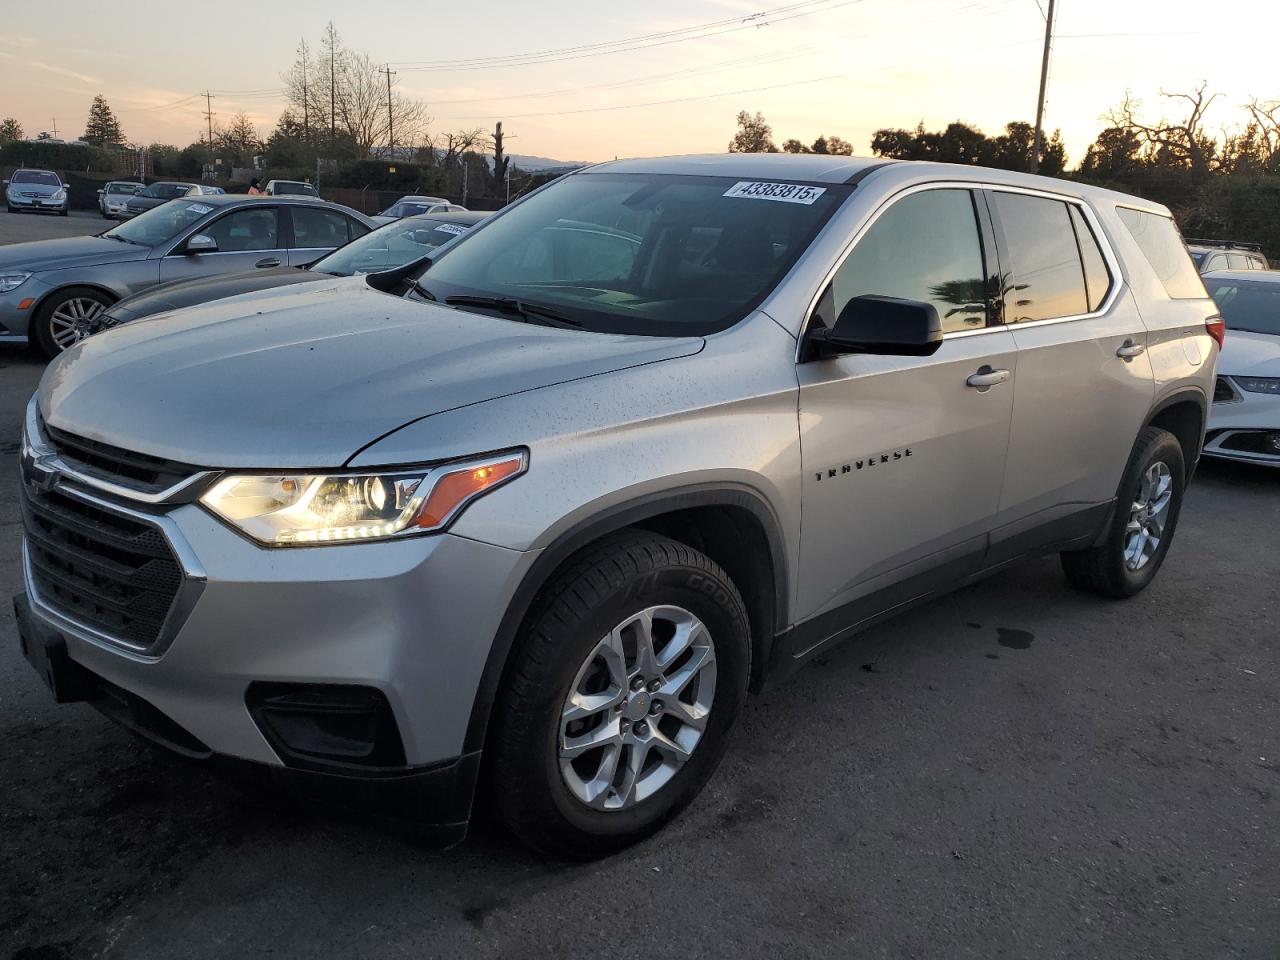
36,176
318,228
1248,304
1046,277
1161,244
166,191
129,188
924,247
649,254
243,230
1097,279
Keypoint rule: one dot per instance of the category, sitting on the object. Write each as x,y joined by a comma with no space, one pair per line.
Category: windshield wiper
527,312
112,236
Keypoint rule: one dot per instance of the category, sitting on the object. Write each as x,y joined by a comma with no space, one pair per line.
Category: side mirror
201,243
101,191
887,326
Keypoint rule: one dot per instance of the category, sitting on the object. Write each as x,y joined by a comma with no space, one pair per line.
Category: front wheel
66,318
1146,515
619,702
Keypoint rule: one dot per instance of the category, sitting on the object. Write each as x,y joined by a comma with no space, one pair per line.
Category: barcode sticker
199,208
453,228
783,192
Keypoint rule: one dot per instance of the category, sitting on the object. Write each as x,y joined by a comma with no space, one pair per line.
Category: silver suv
644,441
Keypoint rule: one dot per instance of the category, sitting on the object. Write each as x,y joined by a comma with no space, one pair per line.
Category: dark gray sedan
51,290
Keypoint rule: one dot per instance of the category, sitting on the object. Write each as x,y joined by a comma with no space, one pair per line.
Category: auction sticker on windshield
199,208
451,228
785,192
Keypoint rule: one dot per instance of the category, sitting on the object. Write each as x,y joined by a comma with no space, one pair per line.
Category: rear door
248,238
904,456
317,231
1085,382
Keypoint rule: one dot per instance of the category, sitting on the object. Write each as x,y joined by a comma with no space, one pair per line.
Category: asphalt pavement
1016,770
20,227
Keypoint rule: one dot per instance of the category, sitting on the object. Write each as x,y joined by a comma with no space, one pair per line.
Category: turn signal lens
454,490
1216,327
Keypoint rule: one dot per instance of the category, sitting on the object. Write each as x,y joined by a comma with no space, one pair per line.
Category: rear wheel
66,318
619,702
1138,536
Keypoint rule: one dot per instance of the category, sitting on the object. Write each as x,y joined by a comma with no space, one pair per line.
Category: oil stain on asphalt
1014,639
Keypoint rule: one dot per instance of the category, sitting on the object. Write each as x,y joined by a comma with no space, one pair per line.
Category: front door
248,238
904,456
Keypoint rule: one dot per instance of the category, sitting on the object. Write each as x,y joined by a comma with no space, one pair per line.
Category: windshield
389,247
1252,305
1197,257
407,208
290,188
649,254
166,191
123,187
36,176
161,223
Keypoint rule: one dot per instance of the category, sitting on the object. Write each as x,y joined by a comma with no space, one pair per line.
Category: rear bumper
434,797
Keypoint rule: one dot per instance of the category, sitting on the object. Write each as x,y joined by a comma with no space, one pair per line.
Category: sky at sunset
843,67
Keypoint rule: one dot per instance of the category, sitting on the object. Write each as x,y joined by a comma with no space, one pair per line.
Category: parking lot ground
1015,770
20,227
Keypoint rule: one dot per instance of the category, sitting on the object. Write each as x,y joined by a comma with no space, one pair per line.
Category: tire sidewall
719,608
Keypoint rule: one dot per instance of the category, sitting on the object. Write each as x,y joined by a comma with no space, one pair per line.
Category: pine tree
10,130
102,127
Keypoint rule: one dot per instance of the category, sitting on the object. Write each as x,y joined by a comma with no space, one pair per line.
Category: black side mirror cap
884,326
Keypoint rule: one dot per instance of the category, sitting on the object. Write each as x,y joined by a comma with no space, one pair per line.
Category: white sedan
1244,423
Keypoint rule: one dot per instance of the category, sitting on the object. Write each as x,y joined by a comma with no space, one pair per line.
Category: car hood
139,202
42,255
41,189
189,293
307,375
1250,354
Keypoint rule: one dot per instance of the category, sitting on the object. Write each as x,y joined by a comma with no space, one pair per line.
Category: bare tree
1182,141
450,147
1266,118
363,106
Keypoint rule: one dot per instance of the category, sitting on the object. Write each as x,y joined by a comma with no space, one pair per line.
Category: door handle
986,378
268,262
1128,350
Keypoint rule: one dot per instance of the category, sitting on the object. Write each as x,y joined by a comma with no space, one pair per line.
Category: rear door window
318,228
1239,261
925,247
1046,277
1162,245
1097,279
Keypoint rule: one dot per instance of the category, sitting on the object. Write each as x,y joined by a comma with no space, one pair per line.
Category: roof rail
1224,244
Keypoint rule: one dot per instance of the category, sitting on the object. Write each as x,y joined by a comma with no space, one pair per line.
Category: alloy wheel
1148,516
71,321
637,708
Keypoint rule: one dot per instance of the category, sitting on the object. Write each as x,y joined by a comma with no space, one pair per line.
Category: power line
650,103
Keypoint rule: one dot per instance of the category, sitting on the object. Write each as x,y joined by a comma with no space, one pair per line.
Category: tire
1108,569
47,333
597,595
11,209
64,211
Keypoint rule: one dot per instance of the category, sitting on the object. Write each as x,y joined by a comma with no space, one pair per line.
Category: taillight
1216,327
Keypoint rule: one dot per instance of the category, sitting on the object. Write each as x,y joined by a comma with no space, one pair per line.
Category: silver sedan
51,290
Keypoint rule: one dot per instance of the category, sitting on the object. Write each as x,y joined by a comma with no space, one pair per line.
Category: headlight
9,281
1252,384
60,195
297,510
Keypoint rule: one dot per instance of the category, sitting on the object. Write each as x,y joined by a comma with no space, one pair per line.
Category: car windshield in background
389,247
650,254
406,209
160,223
165,191
129,188
1251,305
36,176
287,189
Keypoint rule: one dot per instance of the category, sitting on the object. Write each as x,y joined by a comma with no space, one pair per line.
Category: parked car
387,248
51,290
161,192
36,190
290,188
569,501
1213,255
1245,421
413,206
114,196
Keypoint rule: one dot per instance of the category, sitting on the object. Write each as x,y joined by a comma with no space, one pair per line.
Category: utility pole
1038,142
303,56
55,128
333,89
391,124
208,115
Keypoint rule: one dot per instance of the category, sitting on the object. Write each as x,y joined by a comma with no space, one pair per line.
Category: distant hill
540,164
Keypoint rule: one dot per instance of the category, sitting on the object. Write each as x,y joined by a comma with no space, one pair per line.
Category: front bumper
1240,428
15,320
36,203
412,619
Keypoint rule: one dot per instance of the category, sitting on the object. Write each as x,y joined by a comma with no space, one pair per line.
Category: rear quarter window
1162,246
